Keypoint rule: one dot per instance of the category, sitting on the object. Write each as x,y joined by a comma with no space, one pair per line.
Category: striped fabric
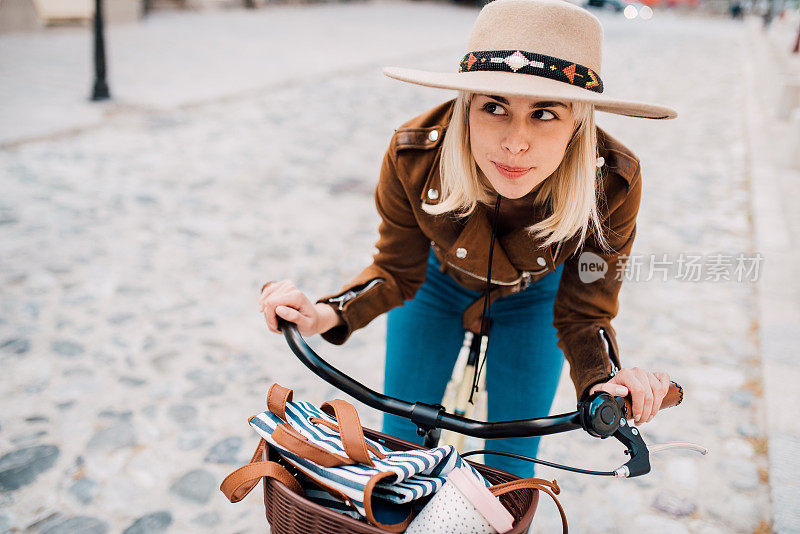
418,473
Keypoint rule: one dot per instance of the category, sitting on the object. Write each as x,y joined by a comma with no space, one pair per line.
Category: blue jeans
424,336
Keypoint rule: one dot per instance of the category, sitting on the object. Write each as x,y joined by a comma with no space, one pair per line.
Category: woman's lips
511,172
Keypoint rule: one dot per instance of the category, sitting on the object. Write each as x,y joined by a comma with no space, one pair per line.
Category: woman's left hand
647,390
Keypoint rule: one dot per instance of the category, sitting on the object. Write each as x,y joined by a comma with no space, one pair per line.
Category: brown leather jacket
583,311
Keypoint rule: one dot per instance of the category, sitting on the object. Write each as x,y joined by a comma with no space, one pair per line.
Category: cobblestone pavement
775,147
131,256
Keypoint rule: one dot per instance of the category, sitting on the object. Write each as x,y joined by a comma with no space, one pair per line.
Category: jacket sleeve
583,309
398,268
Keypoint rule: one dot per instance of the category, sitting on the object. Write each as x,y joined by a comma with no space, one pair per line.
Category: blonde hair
571,191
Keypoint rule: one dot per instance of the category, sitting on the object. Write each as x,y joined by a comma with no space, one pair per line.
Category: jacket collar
432,190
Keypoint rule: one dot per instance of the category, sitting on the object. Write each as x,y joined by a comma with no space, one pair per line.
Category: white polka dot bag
465,505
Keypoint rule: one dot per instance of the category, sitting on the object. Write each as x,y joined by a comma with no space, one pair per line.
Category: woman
517,155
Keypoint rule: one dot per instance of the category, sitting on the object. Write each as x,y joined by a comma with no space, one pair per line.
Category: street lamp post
100,91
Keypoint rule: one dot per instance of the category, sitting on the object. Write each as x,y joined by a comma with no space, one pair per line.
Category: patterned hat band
535,64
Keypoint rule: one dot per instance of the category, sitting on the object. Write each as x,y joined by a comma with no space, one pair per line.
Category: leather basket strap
239,483
350,430
292,440
277,397
333,426
368,489
537,484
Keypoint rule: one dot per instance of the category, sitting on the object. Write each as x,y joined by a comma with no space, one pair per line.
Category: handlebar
600,415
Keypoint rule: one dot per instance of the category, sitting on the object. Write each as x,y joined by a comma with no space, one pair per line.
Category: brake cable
538,461
635,447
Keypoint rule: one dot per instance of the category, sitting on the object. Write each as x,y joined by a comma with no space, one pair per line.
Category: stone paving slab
131,255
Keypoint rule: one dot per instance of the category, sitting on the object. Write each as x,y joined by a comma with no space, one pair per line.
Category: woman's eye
543,114
494,108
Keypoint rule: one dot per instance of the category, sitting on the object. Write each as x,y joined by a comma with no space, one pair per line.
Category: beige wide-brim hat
547,49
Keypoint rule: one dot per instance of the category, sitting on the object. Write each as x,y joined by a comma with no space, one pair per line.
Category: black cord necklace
485,316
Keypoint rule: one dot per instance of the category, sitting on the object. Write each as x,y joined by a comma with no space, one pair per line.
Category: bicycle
601,415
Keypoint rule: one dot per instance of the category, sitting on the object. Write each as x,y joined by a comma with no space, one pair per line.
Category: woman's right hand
283,299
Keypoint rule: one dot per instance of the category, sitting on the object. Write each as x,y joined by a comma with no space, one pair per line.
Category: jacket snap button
461,253
541,261
433,135
600,161
433,194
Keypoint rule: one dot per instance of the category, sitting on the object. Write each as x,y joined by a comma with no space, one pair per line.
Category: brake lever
639,464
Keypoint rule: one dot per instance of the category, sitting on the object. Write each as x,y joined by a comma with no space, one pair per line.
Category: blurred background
149,187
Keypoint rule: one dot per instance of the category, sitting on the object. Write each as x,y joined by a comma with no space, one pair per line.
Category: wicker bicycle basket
289,513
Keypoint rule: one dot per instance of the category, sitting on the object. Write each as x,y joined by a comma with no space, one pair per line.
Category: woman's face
518,141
